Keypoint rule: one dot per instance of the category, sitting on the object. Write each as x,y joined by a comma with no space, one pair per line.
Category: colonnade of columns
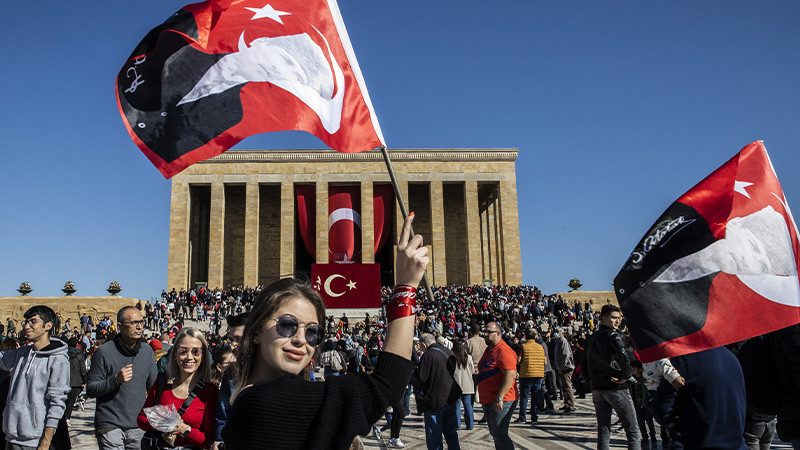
473,236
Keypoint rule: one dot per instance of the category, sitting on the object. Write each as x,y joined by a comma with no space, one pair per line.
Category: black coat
436,376
604,357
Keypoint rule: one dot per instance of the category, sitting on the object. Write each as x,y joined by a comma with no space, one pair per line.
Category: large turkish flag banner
348,285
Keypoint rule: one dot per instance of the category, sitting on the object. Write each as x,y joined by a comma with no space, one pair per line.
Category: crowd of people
283,374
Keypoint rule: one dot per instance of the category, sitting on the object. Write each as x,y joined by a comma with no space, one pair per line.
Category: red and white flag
719,266
219,71
344,223
348,285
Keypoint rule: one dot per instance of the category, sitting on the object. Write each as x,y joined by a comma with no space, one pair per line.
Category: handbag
151,438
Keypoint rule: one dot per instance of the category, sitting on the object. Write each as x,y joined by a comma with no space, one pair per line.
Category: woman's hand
412,259
180,427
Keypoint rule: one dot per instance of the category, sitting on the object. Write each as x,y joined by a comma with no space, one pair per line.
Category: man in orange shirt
497,388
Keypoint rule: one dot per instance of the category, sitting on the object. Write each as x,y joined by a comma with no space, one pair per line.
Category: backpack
337,362
356,363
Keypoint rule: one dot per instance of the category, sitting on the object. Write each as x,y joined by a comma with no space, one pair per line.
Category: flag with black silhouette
219,71
719,266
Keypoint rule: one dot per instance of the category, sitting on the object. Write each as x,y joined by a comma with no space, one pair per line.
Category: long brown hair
460,349
268,302
203,372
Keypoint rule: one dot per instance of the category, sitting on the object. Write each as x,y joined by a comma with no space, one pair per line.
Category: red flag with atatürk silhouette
219,71
348,285
719,266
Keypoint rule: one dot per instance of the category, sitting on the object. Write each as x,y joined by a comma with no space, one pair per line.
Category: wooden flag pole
404,211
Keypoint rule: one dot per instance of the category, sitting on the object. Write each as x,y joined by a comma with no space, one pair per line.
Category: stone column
323,251
251,234
287,229
438,255
509,232
367,224
178,275
473,232
216,236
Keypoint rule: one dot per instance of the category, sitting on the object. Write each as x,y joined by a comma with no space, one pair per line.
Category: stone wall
67,306
599,298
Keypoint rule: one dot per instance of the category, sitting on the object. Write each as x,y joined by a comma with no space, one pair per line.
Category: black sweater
290,412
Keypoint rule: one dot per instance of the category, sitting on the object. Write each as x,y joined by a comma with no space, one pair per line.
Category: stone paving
554,431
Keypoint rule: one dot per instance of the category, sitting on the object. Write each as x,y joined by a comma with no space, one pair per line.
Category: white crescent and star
327,286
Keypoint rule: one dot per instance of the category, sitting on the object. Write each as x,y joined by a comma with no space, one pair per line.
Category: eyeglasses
134,323
196,351
29,322
287,327
488,332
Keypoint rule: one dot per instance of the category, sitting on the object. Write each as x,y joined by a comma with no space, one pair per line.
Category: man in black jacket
609,371
438,393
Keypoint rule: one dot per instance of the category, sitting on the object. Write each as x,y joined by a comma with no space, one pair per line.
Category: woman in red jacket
189,366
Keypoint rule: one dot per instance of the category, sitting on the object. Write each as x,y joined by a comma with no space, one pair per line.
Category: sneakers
395,443
376,433
520,420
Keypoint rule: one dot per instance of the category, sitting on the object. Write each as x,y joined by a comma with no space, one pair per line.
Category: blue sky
617,108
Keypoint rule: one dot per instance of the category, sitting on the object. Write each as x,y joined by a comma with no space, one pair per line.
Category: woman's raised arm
412,260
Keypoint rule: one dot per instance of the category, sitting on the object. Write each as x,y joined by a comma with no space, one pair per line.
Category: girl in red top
189,363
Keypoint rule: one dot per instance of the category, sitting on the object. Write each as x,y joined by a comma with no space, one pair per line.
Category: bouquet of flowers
114,286
69,285
25,286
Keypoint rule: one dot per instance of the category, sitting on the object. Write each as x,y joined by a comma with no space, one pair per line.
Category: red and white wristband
403,302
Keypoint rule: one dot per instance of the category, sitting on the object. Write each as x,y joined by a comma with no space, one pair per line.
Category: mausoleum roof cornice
326,155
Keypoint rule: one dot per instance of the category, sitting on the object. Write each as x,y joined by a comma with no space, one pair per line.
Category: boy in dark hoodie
39,383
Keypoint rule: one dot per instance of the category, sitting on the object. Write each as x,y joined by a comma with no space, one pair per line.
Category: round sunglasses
287,327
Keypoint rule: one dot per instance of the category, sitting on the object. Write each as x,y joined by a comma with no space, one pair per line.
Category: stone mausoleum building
247,218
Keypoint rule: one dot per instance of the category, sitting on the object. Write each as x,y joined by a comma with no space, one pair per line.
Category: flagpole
404,211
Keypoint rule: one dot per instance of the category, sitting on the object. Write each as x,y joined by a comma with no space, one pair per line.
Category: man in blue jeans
531,373
497,387
439,393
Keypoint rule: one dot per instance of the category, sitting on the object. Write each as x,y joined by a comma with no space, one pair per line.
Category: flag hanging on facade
219,71
719,266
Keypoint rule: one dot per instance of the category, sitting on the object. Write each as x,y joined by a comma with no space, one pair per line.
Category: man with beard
497,387
122,372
